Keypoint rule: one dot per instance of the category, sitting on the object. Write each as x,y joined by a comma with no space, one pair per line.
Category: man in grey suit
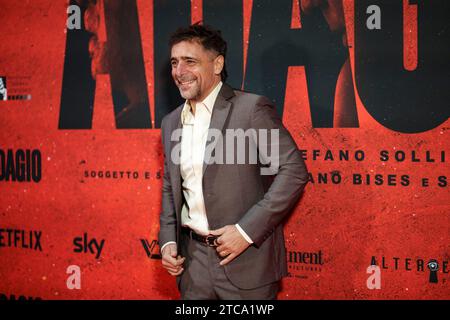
221,231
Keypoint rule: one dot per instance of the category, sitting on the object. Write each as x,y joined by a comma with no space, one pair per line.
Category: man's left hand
230,242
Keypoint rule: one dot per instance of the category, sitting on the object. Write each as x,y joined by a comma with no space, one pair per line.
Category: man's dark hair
208,37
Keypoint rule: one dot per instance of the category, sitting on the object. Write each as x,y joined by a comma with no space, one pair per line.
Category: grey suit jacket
238,193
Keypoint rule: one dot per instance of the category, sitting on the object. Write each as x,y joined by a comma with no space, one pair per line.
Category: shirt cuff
246,237
165,244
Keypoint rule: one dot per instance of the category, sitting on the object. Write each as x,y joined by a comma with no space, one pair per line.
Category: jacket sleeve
290,179
167,218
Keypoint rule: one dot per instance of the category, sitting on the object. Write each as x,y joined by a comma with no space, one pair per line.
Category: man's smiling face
195,70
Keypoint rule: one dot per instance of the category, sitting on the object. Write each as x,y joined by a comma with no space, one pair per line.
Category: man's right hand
170,260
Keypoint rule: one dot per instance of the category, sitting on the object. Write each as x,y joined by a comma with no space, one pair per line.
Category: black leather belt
209,240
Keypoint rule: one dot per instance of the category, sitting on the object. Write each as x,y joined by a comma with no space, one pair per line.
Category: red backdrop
346,224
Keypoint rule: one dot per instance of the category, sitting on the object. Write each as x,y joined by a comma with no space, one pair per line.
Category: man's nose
180,69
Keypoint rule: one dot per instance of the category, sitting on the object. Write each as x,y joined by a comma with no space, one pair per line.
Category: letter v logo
151,249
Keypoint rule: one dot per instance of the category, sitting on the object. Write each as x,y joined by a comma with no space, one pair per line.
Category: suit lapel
175,173
219,115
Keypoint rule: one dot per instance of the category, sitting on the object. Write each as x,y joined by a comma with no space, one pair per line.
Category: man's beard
190,94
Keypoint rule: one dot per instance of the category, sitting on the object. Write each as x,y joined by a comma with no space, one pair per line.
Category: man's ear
218,64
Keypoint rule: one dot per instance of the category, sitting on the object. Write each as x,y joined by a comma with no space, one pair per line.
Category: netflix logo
23,239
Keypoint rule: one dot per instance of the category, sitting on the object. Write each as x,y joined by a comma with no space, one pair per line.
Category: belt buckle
211,240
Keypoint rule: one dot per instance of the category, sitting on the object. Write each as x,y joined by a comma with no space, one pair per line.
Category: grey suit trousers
204,278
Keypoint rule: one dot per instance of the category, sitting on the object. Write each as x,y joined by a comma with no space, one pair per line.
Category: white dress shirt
193,143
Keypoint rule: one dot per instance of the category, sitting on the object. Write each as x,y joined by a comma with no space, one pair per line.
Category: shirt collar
208,102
